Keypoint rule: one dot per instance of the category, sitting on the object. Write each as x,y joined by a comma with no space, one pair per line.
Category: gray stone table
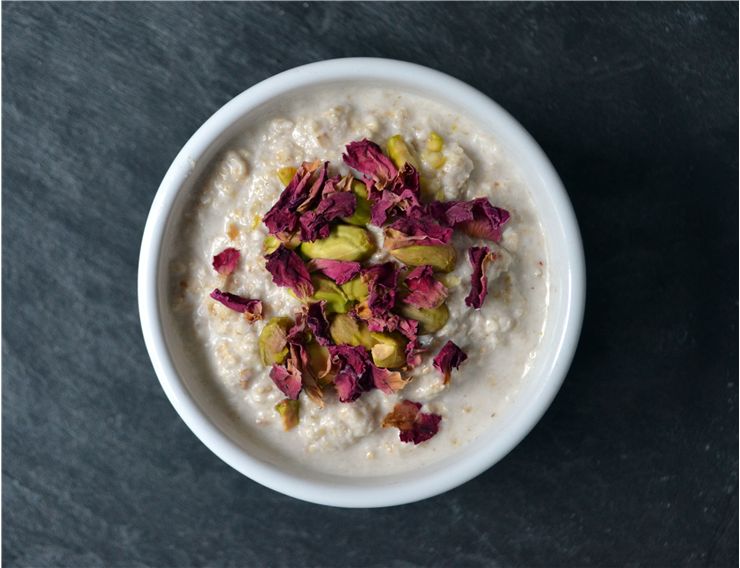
636,461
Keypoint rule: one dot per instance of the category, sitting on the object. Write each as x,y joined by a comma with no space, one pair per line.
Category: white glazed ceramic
567,293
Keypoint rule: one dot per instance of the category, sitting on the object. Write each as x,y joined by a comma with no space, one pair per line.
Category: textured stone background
636,461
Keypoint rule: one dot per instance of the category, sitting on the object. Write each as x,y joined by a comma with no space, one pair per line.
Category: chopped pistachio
435,142
430,319
450,280
356,289
271,243
272,345
400,152
325,289
359,188
434,160
256,220
432,155
440,257
345,242
346,330
285,175
361,216
389,350
289,410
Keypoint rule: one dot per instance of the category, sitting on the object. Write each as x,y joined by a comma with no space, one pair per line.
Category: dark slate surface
636,461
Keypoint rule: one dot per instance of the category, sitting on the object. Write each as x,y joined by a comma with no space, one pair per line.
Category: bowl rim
206,430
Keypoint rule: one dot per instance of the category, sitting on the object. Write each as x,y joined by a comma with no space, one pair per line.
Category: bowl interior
209,417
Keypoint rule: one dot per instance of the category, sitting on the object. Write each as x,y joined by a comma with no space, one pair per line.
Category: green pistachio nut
272,345
435,142
285,175
389,350
432,155
355,289
271,243
430,319
450,280
325,289
290,411
434,160
400,152
361,216
346,330
359,188
440,257
345,242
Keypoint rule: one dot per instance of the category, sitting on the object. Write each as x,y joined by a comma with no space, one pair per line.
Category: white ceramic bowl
567,294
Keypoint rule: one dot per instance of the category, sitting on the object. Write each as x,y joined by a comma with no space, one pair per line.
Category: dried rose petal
387,381
413,353
407,180
252,309
437,210
425,427
380,321
283,217
315,191
479,257
352,365
412,231
338,184
296,334
413,426
356,357
288,270
317,322
400,198
299,359
315,224
347,385
382,281
225,262
390,204
386,322
283,224
287,380
477,218
380,207
409,328
425,290
449,357
402,416
367,158
341,271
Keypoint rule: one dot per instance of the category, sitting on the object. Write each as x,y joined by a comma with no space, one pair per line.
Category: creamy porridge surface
500,339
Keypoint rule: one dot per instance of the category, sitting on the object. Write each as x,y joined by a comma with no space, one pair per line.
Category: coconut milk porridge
456,162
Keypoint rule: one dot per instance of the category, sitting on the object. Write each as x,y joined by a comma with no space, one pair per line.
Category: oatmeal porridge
364,278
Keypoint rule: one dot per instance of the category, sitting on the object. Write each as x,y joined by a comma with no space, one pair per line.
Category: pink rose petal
288,270
449,357
251,308
425,290
225,262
